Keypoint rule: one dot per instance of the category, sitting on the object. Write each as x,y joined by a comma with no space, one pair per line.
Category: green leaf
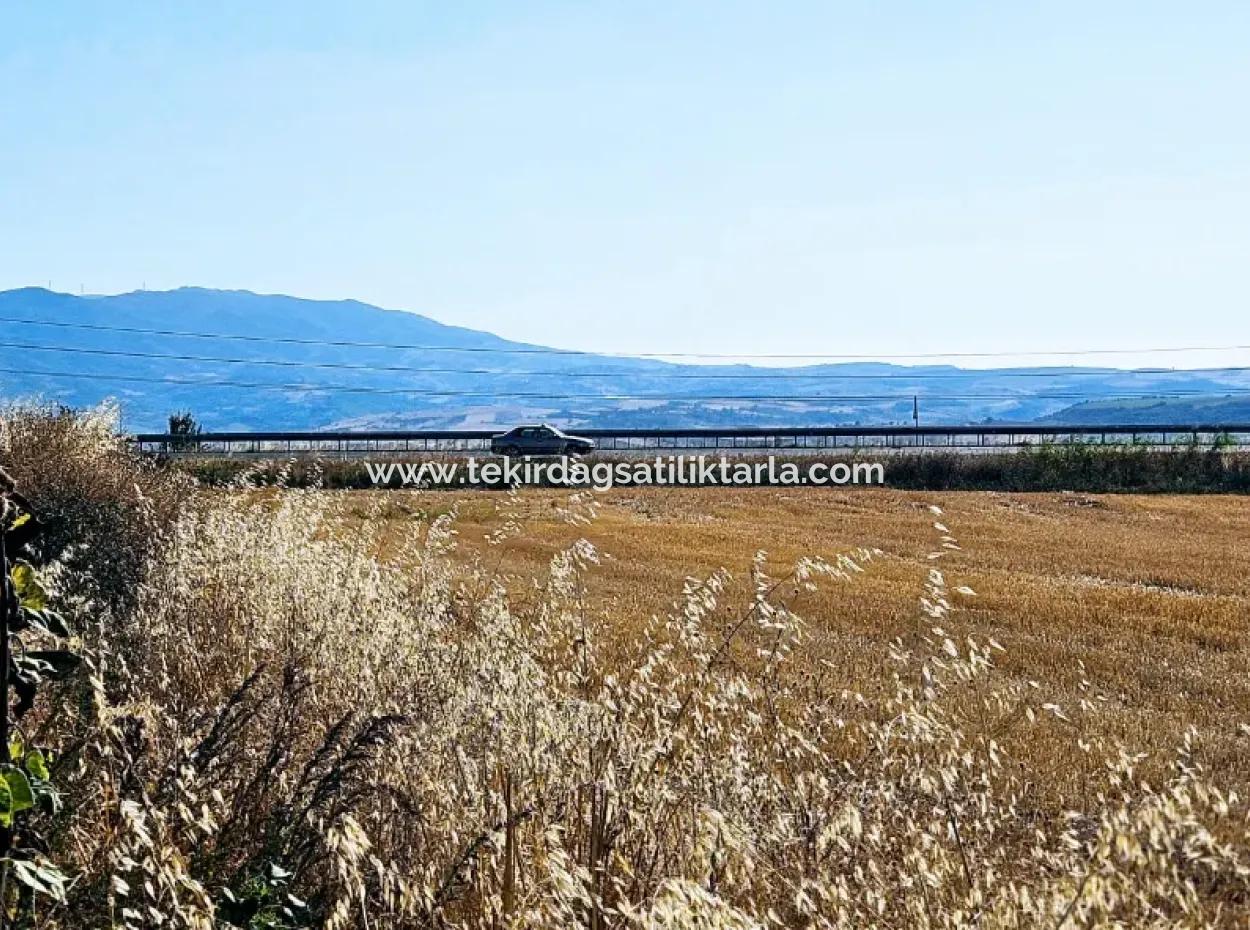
20,796
30,593
37,765
21,531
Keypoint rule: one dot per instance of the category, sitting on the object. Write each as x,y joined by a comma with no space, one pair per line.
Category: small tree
183,429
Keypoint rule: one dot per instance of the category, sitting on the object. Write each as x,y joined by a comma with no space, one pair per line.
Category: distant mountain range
311,364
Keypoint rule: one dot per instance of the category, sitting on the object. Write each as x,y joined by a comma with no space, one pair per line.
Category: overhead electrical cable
696,398
729,376
541,350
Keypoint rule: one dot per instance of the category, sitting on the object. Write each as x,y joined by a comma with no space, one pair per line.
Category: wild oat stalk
286,729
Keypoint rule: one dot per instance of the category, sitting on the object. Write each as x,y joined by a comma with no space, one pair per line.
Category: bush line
1062,467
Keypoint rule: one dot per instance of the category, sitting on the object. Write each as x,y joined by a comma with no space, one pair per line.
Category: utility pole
915,410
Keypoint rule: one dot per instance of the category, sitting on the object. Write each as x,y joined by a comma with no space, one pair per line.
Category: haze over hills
300,364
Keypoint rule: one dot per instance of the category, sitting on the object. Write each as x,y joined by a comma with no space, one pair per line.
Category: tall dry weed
103,508
289,730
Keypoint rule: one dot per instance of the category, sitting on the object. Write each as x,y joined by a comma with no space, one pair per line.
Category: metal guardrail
350,444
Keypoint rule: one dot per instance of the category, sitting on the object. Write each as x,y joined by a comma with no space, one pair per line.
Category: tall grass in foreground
281,730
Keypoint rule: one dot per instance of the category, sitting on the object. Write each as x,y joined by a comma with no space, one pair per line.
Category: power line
729,376
540,350
700,398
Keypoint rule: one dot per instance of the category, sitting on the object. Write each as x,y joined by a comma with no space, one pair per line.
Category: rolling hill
307,364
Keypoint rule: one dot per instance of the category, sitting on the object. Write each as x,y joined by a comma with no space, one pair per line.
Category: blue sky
676,176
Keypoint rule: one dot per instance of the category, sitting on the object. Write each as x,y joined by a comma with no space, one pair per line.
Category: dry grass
1144,599
584,720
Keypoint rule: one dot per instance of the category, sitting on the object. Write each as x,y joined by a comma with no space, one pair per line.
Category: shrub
1051,467
103,507
184,428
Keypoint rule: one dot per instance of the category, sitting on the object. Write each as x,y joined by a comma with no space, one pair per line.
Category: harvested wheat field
304,708
1138,603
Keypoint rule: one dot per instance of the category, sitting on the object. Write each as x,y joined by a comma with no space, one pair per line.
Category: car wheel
509,451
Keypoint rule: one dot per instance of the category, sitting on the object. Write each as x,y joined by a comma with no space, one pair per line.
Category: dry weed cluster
285,730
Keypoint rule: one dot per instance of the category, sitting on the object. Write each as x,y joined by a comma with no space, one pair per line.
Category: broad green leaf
23,574
30,593
20,796
37,765
35,598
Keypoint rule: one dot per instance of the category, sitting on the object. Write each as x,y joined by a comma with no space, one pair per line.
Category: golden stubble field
1135,604
470,710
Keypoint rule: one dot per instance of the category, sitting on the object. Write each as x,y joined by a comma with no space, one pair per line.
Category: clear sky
638,176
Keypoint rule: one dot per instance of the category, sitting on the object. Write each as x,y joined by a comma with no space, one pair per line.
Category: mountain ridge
296,363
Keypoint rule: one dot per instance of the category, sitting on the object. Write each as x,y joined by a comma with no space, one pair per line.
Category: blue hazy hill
320,376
